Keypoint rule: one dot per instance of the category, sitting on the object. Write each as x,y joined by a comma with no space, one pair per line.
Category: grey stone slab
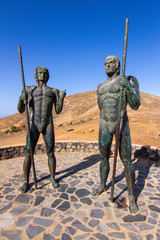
73,199
75,182
23,198
10,197
62,187
77,224
113,225
23,221
48,237
154,208
56,203
97,213
152,221
8,190
12,234
90,183
6,220
43,222
102,228
149,237
86,200
66,237
82,236
57,230
64,196
71,190
47,212
38,200
93,223
82,193
64,206
70,230
100,236
97,204
19,210
33,211
128,226
66,220
145,226
134,236
134,218
119,235
5,208
33,231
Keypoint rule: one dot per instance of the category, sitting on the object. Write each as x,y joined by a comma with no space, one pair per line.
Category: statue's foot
54,183
133,208
25,187
99,190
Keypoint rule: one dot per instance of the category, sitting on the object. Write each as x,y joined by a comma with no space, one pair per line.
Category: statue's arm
21,105
59,100
133,94
99,97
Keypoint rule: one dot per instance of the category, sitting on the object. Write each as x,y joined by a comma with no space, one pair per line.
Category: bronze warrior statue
109,95
40,100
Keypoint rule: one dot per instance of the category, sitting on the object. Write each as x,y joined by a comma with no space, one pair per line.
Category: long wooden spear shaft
120,106
27,116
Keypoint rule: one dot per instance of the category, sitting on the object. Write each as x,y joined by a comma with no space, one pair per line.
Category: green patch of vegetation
15,129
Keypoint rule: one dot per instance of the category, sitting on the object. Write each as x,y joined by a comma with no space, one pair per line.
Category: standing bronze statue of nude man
40,100
109,95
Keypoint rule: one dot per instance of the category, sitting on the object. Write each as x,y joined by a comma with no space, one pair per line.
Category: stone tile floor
71,212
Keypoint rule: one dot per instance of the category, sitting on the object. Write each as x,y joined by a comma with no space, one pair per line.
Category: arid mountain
79,121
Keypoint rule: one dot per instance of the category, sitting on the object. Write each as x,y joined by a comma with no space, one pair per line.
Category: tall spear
27,117
120,106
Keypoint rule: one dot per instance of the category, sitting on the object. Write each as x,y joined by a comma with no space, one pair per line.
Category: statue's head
41,74
112,65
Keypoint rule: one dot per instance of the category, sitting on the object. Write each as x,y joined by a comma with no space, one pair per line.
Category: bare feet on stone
54,183
99,190
25,187
133,208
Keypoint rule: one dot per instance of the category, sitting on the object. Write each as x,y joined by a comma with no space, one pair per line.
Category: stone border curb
145,152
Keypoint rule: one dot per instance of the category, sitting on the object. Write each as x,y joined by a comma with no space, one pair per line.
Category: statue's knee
50,155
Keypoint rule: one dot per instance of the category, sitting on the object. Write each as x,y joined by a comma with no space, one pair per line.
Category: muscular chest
42,94
110,90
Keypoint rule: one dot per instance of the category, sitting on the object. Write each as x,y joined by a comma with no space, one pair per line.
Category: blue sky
72,38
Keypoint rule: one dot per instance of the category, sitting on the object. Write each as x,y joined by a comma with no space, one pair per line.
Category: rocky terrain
79,121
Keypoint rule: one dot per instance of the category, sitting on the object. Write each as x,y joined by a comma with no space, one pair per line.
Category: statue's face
42,75
110,66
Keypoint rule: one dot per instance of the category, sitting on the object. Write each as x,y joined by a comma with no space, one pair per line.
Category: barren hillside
79,121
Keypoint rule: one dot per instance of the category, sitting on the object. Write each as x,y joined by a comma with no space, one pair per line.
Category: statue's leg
105,141
27,160
49,140
125,155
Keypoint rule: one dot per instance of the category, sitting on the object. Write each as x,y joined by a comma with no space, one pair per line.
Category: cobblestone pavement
71,212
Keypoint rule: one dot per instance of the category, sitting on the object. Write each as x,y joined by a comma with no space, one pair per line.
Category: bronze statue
109,95
40,99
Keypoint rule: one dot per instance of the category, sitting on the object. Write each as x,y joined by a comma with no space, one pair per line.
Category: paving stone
66,220
149,237
86,200
71,190
119,235
154,208
64,196
19,210
23,221
82,193
43,222
62,187
134,218
134,236
56,203
12,234
122,186
10,197
77,205
7,184
145,226
106,204
33,211
5,208
97,213
47,212
73,199
57,230
70,230
75,182
128,226
8,190
77,224
33,231
64,206
102,228
6,220
97,204
23,198
100,236
113,225
38,200
152,221
93,223
82,236
90,183
48,237
66,237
